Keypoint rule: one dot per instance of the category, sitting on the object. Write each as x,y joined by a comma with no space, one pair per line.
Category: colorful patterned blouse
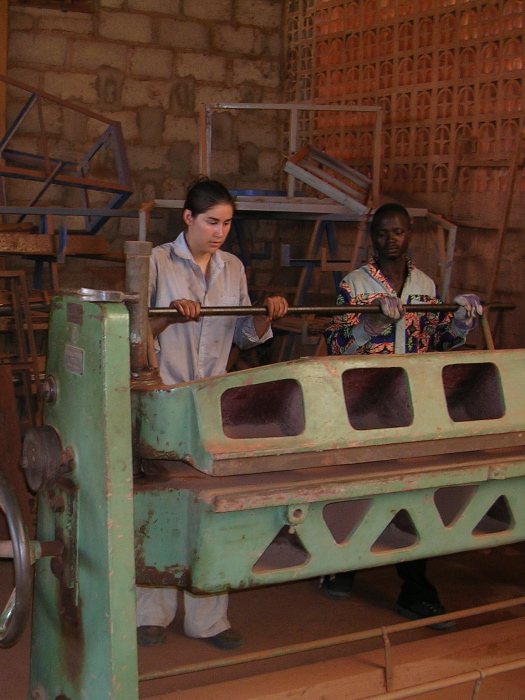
416,332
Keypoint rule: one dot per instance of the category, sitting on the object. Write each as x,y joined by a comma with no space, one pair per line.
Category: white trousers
204,615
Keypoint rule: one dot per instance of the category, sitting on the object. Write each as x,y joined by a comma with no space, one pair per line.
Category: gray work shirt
193,350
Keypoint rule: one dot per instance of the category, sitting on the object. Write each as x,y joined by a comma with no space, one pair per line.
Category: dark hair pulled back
203,194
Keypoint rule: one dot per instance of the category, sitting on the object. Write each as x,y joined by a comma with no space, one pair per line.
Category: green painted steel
339,417
84,636
305,468
215,537
346,409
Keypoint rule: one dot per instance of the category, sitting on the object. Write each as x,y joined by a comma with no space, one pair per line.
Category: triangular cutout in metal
343,517
400,533
285,551
498,518
451,501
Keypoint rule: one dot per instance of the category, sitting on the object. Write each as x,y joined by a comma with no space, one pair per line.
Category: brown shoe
151,635
229,639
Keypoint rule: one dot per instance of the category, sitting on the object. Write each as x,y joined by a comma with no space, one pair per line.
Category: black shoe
227,640
151,635
424,609
338,586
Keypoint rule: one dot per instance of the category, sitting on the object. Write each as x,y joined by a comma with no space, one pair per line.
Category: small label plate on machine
74,359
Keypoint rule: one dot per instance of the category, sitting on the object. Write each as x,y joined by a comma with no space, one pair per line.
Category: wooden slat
339,166
310,153
358,194
40,323
3,87
18,226
10,445
66,180
517,159
3,64
326,188
41,244
298,157
362,675
353,192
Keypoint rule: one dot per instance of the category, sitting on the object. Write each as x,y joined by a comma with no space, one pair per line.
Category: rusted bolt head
48,390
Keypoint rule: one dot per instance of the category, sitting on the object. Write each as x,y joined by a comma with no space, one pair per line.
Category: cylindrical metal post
137,276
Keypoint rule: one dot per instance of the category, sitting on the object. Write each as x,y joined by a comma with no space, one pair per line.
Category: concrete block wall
150,64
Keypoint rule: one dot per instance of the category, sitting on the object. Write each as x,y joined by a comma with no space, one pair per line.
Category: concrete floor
287,614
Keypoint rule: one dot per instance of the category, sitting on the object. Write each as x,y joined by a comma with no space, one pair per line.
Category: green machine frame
84,636
273,474
323,465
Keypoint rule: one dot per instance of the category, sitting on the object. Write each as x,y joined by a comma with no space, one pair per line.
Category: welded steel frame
43,168
206,132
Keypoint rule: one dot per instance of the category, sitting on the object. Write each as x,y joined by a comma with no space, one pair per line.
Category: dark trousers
415,587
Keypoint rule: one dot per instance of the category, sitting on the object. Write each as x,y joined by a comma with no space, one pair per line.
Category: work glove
469,308
391,311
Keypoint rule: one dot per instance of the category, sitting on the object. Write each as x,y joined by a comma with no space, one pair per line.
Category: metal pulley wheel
13,618
43,459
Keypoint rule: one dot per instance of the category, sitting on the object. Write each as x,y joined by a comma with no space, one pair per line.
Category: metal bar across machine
320,310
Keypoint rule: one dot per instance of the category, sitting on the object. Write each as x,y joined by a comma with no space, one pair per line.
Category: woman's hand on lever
188,311
276,308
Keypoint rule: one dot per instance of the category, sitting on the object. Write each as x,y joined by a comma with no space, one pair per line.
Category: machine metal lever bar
115,296
319,310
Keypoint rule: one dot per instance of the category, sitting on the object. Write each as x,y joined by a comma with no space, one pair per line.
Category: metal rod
389,669
70,211
294,117
6,309
487,333
53,98
45,186
302,106
469,676
477,688
318,310
330,641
